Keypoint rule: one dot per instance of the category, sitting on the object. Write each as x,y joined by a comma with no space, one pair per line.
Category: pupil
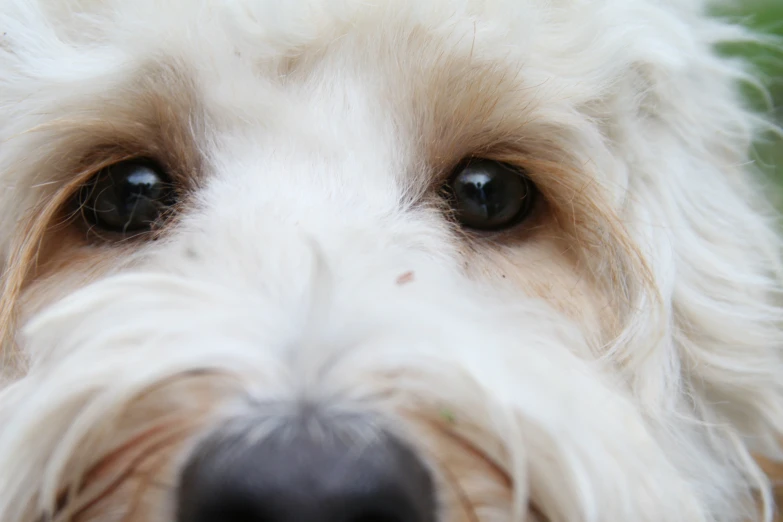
143,182
127,197
138,188
480,189
490,195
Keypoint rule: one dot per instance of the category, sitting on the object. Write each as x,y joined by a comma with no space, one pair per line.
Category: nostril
232,510
233,514
293,476
378,508
224,506
377,517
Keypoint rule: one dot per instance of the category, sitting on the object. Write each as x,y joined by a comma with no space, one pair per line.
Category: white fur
283,268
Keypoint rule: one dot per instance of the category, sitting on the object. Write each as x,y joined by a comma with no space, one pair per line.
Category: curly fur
617,359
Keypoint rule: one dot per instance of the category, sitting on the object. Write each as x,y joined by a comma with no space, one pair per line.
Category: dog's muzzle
305,471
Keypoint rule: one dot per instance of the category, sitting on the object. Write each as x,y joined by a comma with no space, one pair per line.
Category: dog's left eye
129,196
490,195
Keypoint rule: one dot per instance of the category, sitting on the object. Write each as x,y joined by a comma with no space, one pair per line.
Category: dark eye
490,195
129,196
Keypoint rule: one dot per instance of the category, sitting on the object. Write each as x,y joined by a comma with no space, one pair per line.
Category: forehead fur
476,71
547,39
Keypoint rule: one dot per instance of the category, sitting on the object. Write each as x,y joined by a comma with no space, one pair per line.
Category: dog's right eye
490,195
129,196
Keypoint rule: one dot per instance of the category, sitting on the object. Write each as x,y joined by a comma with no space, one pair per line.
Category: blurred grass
765,16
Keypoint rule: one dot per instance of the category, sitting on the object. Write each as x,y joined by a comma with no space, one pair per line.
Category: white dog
388,261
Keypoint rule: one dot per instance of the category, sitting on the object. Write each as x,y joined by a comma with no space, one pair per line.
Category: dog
390,261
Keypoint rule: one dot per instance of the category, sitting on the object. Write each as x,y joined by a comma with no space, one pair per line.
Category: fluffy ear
701,215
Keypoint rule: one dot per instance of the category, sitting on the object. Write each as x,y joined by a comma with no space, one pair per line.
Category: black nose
302,474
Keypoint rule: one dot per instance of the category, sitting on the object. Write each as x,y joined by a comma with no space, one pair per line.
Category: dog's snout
301,475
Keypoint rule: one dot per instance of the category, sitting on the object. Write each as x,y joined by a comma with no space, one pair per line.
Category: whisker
470,448
157,439
459,491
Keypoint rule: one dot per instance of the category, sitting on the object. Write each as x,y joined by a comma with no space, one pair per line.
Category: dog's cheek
547,269
65,263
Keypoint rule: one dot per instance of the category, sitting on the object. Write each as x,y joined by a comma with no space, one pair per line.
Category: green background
765,16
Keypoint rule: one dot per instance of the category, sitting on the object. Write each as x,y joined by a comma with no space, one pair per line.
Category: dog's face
391,261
